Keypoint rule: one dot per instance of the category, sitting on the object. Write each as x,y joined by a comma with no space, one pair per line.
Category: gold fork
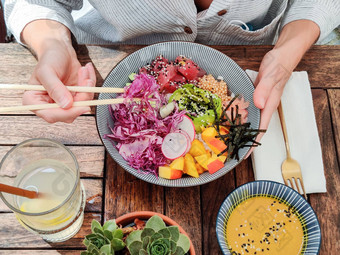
291,171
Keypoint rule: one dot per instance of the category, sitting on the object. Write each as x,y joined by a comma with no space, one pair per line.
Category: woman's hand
278,65
57,67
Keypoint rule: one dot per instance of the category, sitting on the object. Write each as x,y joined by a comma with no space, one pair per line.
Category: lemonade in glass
50,169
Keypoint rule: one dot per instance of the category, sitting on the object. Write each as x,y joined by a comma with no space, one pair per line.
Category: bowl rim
263,181
144,215
169,184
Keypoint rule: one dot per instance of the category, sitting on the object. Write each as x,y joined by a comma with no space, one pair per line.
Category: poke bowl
151,67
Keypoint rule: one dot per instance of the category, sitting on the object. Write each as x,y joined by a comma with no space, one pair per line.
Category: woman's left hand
270,82
278,65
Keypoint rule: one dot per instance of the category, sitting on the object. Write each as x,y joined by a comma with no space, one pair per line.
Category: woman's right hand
57,67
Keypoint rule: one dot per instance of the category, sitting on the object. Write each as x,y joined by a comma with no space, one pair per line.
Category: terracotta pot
145,215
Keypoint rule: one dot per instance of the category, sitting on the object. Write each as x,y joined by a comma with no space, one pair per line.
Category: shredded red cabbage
138,128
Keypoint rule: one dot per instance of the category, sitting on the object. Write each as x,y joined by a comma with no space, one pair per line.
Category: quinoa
218,87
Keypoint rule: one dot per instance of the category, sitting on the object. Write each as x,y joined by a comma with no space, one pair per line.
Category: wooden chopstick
54,105
18,191
70,88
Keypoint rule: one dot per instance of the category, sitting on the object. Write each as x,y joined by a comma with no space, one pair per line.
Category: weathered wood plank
90,159
326,205
15,129
125,193
334,101
40,252
183,206
212,197
244,172
94,190
13,235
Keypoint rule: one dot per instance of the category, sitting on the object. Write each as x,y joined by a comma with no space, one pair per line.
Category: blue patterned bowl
281,192
211,60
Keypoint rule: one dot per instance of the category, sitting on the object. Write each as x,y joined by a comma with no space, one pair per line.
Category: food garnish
239,134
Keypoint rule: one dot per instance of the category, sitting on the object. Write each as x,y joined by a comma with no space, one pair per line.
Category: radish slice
188,126
175,145
187,136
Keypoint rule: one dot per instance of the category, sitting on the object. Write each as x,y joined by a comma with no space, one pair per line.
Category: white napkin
303,137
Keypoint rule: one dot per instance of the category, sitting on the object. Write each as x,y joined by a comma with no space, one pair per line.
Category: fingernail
88,64
261,102
64,102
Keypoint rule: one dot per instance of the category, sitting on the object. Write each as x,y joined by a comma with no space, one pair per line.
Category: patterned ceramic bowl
283,193
211,60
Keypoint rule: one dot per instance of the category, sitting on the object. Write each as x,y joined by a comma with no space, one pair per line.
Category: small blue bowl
280,192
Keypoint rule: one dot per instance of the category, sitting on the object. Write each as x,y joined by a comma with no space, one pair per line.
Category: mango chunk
167,173
197,148
203,160
214,165
189,166
215,144
200,169
178,163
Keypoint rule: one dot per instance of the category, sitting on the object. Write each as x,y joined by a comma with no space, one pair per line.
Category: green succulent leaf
106,249
92,248
98,231
179,251
95,224
146,241
118,233
135,247
156,236
165,232
156,223
108,234
117,244
134,236
147,232
174,233
86,242
159,247
143,252
183,242
173,246
84,253
104,240
110,225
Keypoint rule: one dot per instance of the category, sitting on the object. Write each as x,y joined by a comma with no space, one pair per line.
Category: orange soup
264,225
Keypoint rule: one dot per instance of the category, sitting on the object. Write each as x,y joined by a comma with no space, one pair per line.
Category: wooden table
112,192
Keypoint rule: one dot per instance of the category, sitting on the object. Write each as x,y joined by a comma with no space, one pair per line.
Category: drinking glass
51,169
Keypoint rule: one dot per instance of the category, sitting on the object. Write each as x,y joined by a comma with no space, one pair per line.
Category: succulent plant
157,239
104,240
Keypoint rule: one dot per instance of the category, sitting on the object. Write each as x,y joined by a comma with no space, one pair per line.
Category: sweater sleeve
18,13
325,13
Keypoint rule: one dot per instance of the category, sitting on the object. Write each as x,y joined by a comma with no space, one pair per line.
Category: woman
47,28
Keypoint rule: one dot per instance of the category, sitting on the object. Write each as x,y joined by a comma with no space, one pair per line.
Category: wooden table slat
15,129
183,206
13,235
334,101
125,193
326,205
90,160
212,196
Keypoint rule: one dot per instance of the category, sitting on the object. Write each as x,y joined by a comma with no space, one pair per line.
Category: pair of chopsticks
54,105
